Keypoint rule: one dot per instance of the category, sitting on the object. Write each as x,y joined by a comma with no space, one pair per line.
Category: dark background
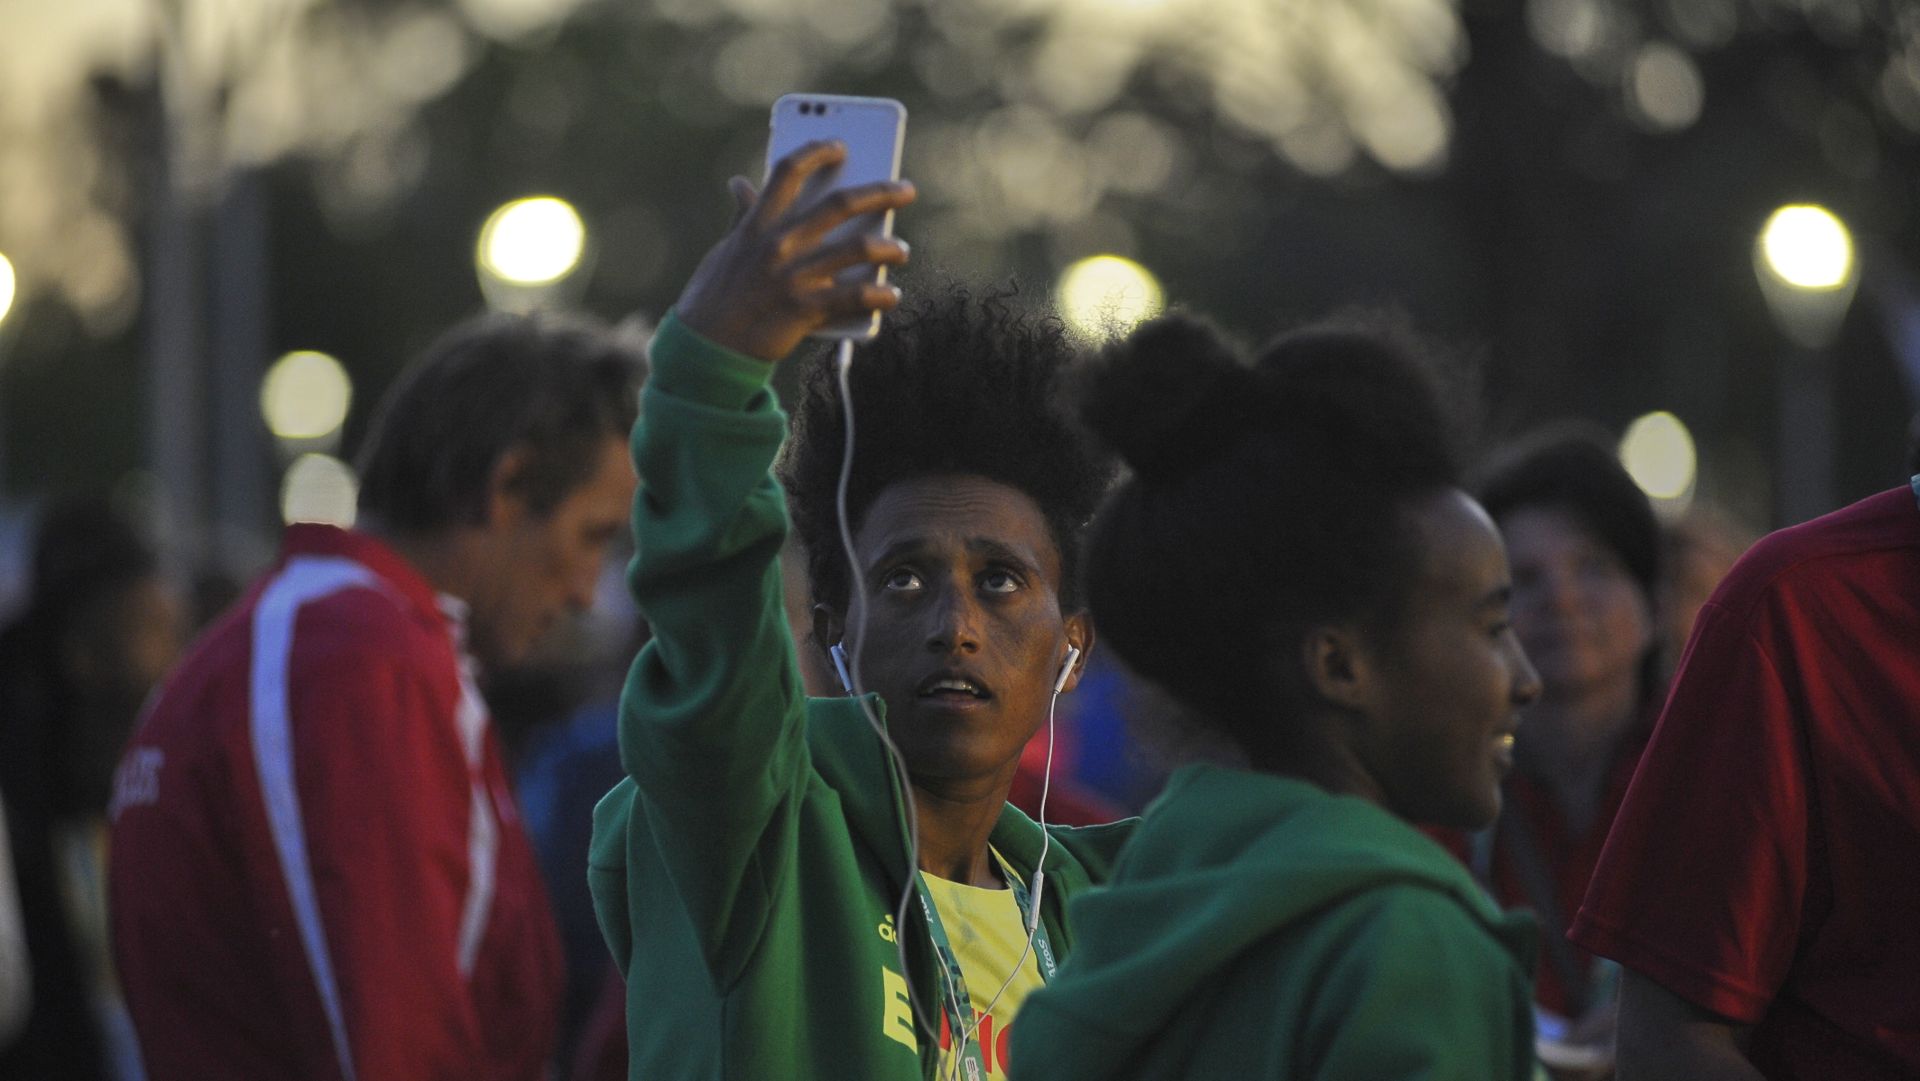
1597,267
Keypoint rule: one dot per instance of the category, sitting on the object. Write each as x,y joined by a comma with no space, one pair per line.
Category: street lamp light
304,399
526,249
6,288
1804,259
319,488
1107,295
1658,453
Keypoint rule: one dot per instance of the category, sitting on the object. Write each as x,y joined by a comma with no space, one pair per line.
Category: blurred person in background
1585,549
1761,880
565,767
101,627
1294,560
1699,548
319,868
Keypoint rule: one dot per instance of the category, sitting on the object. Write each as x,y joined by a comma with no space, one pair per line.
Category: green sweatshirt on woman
746,872
1258,928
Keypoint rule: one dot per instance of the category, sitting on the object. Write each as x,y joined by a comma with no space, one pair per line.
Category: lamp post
1805,262
529,254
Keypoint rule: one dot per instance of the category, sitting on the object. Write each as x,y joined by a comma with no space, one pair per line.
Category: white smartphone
872,129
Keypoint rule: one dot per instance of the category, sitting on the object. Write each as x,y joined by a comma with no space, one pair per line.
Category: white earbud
1066,669
839,654
1039,870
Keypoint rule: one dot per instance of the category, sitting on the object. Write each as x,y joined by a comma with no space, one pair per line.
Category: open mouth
954,687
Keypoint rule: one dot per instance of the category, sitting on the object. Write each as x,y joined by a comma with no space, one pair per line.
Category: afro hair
957,383
1266,498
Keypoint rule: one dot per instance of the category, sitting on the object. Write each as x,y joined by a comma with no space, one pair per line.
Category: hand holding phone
807,254
871,129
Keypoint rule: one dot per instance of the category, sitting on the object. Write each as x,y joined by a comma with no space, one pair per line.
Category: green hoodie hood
1229,864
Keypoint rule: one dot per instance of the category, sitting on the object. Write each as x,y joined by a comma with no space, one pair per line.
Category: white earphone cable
856,630
1039,881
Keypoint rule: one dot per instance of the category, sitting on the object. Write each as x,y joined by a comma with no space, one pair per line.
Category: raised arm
710,719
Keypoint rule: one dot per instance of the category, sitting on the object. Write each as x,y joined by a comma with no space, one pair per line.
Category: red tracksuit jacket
317,869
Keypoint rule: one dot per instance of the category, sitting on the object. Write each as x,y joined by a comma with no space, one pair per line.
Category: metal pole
176,415
1805,452
239,334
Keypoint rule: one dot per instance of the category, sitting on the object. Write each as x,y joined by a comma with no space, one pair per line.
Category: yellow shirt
988,935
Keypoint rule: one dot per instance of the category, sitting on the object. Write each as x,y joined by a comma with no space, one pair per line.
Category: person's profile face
127,641
1582,617
545,567
964,632
1452,677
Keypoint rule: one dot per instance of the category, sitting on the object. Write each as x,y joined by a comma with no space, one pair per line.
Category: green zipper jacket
746,872
1258,928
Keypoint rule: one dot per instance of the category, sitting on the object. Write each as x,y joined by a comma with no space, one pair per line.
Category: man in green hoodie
757,875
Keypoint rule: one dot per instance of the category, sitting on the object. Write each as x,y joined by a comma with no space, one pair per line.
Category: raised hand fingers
806,225
790,175
771,280
865,249
841,303
744,197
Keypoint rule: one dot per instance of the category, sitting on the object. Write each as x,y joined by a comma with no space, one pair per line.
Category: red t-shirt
317,870
1766,862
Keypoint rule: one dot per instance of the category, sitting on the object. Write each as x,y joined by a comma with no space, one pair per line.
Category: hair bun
1168,397
1363,399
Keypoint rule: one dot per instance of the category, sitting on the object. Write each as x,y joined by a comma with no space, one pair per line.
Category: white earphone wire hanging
847,666
848,663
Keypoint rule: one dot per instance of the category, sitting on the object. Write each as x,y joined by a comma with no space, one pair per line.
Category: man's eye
1000,581
900,579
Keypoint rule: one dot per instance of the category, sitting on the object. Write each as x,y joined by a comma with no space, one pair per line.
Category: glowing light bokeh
1658,452
319,488
1107,295
305,395
1808,247
1665,88
532,241
6,288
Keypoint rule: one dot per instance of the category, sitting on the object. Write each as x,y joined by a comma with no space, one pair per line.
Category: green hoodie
746,873
1257,927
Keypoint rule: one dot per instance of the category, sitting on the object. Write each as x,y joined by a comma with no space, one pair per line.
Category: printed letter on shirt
137,782
897,1021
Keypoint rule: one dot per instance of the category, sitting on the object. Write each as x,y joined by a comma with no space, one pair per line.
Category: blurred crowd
348,829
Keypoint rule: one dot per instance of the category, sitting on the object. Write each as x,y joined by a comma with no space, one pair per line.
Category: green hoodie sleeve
1415,988
711,716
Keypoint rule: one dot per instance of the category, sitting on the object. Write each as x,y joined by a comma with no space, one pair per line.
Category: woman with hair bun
1295,561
